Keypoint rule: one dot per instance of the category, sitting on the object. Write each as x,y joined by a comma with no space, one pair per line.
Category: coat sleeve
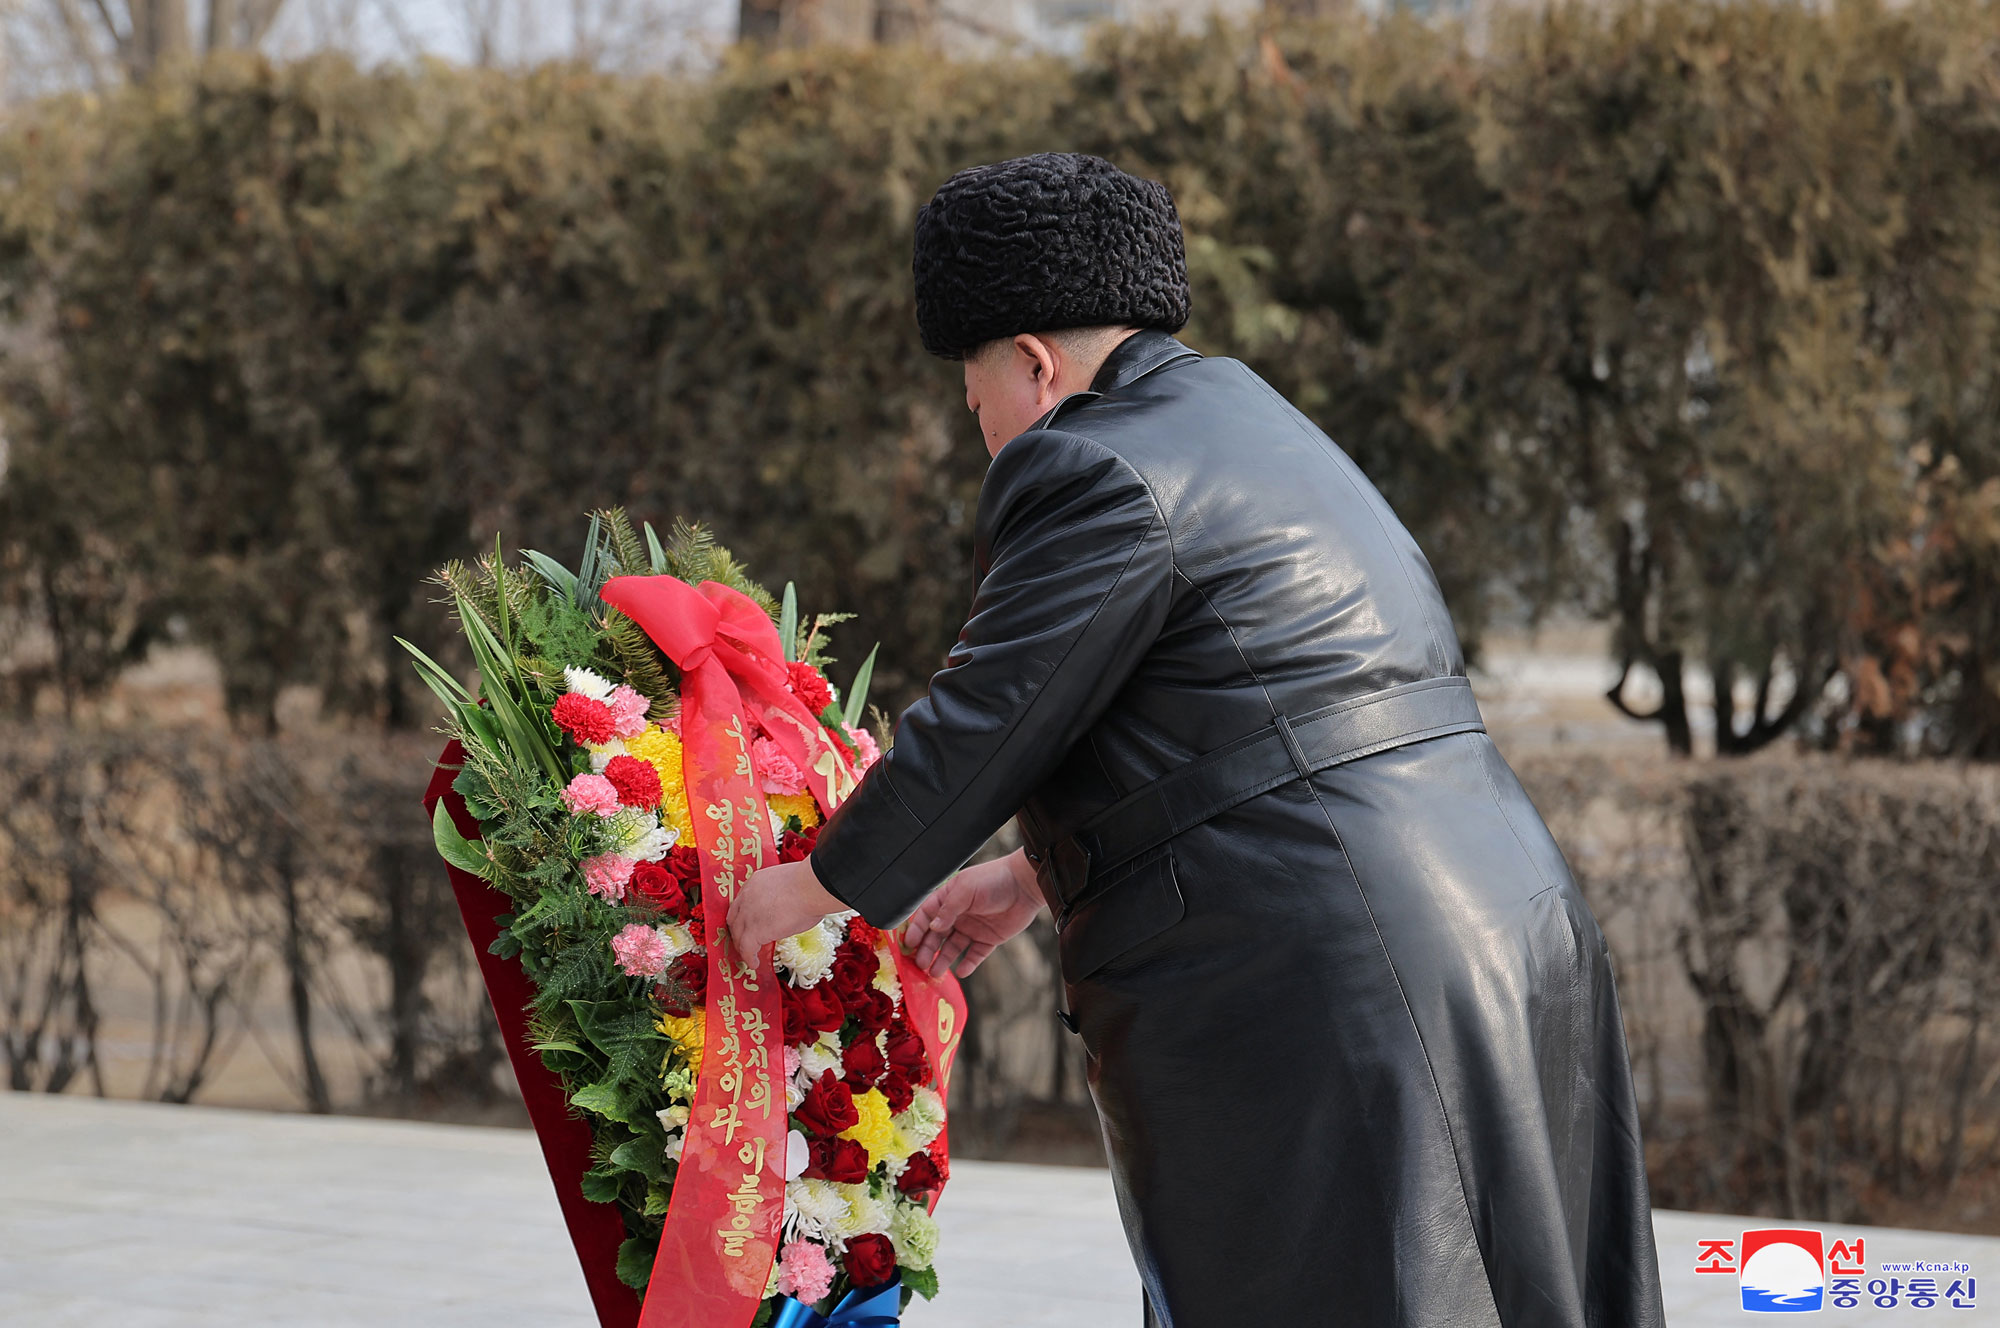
1076,576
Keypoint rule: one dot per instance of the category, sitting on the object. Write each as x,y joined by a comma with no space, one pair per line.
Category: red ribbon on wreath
722,1226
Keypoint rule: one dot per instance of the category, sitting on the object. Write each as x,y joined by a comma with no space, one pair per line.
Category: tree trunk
298,972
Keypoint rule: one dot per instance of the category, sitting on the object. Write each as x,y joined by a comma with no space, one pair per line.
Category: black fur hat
1042,243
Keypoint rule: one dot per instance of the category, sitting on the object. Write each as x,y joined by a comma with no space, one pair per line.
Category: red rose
809,1011
584,719
660,888
691,971
896,1087
822,1008
638,784
861,1064
828,1107
842,1160
873,1012
907,1056
798,847
854,969
809,686
871,1260
920,1176
685,863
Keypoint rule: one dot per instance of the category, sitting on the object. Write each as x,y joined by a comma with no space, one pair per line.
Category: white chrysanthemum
914,1234
902,1148
640,836
886,980
818,1207
586,683
819,1056
865,1214
679,940
777,824
808,957
922,1121
601,754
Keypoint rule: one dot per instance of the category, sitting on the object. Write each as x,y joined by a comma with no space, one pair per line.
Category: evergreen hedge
1683,314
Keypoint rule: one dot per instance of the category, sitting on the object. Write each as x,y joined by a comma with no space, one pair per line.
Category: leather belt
1289,749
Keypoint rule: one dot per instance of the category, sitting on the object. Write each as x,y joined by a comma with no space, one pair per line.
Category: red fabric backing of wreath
595,1229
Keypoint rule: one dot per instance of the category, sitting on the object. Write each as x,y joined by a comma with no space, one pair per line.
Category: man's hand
777,902
965,918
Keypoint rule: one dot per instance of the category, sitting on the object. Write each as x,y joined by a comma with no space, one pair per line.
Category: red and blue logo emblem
1782,1270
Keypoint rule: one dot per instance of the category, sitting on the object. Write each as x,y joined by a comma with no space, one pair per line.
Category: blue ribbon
879,1307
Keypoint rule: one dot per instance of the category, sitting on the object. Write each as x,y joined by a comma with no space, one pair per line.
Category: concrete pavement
149,1216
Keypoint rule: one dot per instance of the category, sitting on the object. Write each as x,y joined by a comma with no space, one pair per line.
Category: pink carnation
776,772
588,794
869,752
607,874
628,711
805,1271
642,953
793,1059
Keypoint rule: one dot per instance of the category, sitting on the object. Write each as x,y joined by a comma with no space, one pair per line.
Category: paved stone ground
171,1217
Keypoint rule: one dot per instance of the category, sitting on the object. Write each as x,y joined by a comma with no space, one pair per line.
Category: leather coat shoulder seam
1234,641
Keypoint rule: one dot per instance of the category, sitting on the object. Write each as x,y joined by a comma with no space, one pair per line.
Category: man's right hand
964,919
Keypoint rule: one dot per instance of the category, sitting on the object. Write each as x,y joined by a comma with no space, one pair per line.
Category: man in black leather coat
1351,1027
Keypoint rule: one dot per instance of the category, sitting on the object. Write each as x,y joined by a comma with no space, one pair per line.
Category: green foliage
635,1261
1678,314
857,695
455,848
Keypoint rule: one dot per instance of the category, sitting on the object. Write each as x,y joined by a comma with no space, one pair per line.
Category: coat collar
1137,356
1131,360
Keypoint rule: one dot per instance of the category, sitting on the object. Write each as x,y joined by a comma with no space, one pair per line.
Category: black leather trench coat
1352,1030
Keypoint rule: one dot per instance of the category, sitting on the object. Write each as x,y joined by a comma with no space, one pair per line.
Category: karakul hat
1043,243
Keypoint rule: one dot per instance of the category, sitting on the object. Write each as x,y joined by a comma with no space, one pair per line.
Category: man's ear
1043,366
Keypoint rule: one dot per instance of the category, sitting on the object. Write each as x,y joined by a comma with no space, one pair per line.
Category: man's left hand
777,902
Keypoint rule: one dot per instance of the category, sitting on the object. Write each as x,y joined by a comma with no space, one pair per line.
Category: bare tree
624,35
132,38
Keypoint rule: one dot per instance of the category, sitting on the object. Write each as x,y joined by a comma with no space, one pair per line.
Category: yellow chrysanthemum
662,750
876,1130
686,1031
801,805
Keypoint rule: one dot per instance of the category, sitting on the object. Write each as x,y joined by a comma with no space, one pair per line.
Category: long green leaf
503,686
438,678
506,632
857,695
788,623
655,550
560,578
590,568
455,848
